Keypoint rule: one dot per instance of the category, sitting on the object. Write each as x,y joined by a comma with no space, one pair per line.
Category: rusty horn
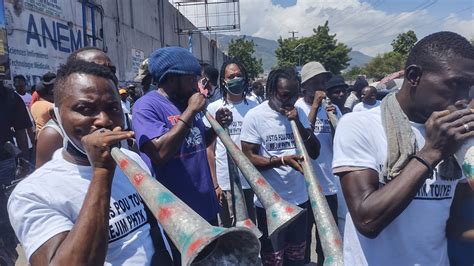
241,214
279,212
332,116
327,229
465,158
198,241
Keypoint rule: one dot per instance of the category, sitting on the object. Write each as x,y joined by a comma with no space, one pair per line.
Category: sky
368,26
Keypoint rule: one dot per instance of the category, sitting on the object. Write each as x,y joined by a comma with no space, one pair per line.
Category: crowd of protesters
386,169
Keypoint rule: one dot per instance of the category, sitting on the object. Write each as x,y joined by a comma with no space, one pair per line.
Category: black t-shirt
13,114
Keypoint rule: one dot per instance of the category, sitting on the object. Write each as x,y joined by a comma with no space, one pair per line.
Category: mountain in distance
358,59
265,49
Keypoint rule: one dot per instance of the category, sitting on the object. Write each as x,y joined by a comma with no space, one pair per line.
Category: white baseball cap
313,69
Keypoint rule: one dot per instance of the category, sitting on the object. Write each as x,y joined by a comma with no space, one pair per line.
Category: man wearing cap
336,90
313,79
171,135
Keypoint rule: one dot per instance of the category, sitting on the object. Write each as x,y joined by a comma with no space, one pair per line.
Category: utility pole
293,34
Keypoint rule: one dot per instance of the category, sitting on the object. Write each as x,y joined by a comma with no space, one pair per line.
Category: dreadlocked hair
243,71
276,74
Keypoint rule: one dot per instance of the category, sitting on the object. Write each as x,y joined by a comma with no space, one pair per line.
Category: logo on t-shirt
278,142
193,138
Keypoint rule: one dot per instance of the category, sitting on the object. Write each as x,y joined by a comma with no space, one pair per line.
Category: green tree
321,46
404,42
384,64
353,73
243,50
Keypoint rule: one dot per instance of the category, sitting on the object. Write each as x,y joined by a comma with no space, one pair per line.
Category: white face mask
66,139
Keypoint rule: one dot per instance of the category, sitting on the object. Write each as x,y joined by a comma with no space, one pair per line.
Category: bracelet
425,163
216,187
282,160
185,123
271,157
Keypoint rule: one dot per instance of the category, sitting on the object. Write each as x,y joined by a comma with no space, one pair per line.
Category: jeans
7,171
287,247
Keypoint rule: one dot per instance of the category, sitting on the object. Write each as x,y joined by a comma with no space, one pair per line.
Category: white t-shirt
238,113
127,117
125,106
272,131
363,106
323,164
48,202
26,99
417,236
253,97
351,100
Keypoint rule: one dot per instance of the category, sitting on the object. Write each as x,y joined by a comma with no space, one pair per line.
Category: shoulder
362,120
35,185
252,102
257,110
51,127
152,98
355,126
16,100
215,105
300,103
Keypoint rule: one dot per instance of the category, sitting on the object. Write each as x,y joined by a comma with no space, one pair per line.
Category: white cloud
356,23
463,27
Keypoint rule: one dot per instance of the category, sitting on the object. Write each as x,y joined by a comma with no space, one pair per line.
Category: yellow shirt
40,112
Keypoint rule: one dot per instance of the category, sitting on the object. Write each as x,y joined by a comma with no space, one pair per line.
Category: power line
381,28
432,22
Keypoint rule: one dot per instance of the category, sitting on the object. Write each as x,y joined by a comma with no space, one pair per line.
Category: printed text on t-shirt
125,216
279,142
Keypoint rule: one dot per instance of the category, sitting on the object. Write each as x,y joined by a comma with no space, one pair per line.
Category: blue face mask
235,86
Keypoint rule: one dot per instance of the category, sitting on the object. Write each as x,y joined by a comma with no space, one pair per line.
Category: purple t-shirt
187,174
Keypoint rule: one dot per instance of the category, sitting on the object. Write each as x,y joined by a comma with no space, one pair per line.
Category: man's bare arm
373,208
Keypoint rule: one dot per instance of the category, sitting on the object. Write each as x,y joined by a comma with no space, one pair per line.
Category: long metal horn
198,241
279,212
332,117
241,213
327,229
465,158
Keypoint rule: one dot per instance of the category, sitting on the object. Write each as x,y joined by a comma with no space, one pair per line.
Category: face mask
278,104
235,86
66,140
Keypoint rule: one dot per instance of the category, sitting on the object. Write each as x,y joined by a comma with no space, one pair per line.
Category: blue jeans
7,171
7,235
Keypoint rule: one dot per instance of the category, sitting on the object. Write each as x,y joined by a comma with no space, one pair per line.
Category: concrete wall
147,25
